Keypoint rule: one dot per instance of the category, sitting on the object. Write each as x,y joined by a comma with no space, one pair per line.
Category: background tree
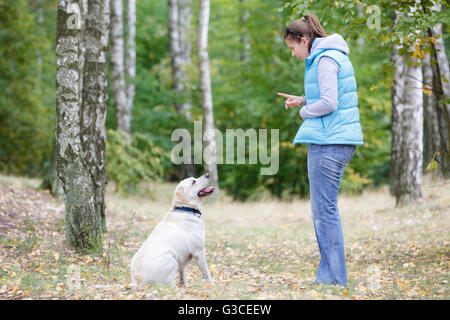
432,138
440,85
245,39
407,127
130,58
206,93
179,14
123,114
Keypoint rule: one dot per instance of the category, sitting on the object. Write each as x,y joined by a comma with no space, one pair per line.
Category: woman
331,129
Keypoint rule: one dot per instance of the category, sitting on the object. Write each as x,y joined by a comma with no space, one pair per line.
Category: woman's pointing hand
292,101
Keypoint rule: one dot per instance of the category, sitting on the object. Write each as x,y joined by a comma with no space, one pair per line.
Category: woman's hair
308,26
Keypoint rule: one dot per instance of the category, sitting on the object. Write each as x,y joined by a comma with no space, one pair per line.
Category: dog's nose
207,176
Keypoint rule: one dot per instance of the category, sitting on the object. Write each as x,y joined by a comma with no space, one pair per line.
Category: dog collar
190,210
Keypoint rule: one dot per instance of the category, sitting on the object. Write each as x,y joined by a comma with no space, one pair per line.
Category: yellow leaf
427,91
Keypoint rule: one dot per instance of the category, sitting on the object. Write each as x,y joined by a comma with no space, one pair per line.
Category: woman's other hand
292,101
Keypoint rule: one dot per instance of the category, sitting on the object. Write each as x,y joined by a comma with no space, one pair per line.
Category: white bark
130,60
184,18
407,130
185,15
179,51
179,16
95,97
206,92
82,223
82,50
360,40
245,39
441,90
123,114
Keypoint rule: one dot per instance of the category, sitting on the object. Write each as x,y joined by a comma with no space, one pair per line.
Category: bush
131,159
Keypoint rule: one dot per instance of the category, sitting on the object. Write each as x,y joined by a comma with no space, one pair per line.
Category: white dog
178,238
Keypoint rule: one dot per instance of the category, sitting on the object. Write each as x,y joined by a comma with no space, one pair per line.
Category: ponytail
309,26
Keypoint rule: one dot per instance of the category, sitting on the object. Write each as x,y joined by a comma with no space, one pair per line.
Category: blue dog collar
190,210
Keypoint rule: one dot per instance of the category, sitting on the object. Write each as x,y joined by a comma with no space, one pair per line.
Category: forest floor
255,250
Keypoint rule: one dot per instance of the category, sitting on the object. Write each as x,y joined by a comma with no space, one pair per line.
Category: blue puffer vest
342,125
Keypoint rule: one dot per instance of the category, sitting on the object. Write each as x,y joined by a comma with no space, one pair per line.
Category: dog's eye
193,181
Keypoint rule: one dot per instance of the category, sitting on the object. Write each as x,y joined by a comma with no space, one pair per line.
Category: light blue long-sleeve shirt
327,73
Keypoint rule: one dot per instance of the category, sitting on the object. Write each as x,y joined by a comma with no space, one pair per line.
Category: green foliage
132,159
244,92
25,116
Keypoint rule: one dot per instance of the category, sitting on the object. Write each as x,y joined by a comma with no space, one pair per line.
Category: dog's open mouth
206,192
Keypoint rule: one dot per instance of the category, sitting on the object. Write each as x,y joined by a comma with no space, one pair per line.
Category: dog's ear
180,196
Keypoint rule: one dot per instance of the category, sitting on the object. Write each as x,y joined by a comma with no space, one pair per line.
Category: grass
255,250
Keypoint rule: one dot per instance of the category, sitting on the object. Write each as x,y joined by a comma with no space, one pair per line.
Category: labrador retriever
178,238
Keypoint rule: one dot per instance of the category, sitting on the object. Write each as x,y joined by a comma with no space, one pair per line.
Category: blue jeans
326,164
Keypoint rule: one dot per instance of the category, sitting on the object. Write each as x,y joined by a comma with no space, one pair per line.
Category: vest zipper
323,125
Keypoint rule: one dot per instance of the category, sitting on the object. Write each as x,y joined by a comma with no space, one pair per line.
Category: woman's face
299,49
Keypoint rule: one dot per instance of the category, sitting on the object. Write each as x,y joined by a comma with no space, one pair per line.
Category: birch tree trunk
360,40
185,15
407,130
83,13
441,90
206,93
51,181
175,52
83,232
180,55
244,39
95,97
130,59
123,114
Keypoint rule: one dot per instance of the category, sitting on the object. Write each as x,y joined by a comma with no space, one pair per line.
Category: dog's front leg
201,261
182,276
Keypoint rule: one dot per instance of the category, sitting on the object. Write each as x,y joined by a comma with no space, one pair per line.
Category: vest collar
310,59
190,210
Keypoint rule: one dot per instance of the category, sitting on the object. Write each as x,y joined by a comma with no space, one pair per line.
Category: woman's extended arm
327,75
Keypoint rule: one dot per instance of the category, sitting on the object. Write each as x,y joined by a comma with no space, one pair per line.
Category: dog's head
190,191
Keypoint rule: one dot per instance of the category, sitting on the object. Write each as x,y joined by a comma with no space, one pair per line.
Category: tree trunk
441,90
123,114
95,97
83,13
83,231
206,93
130,60
179,46
51,181
407,130
244,38
184,16
176,55
360,40
432,139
